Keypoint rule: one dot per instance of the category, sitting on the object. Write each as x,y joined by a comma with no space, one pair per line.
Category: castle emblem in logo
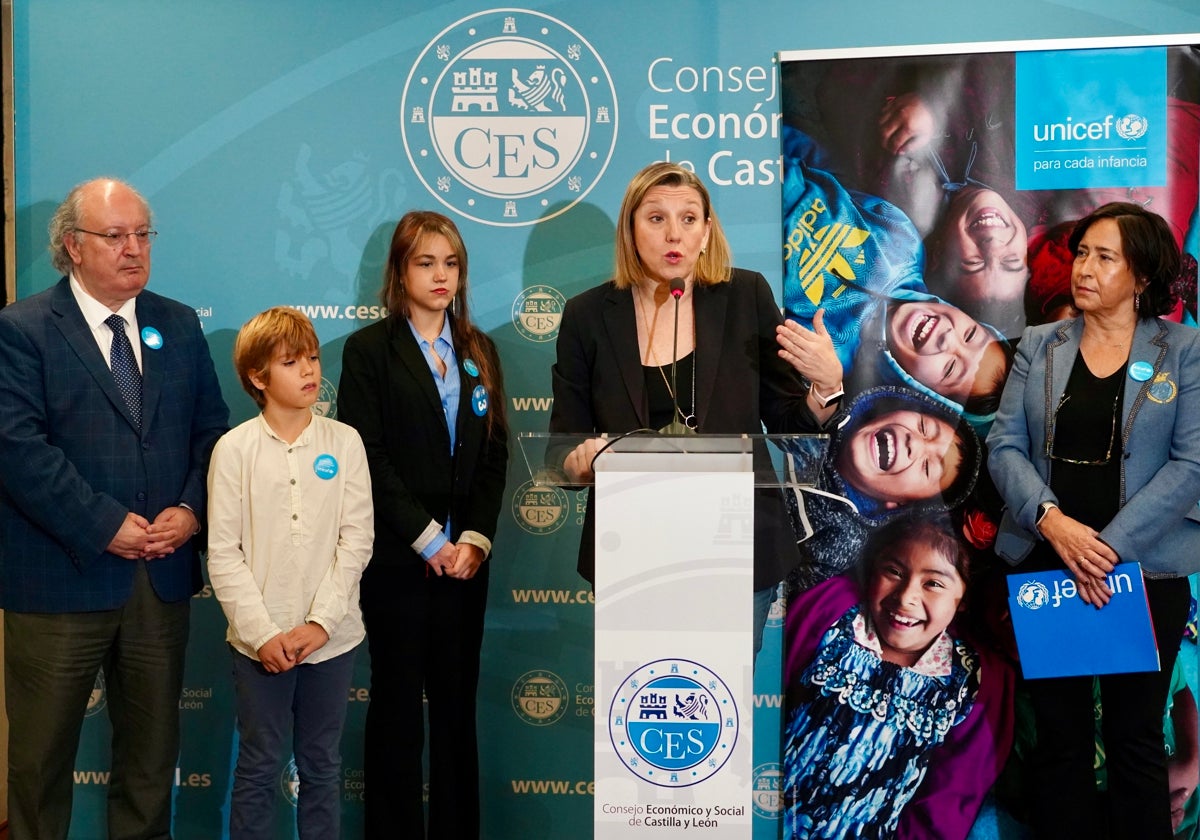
540,508
673,723
537,312
509,117
767,790
1132,127
1033,595
326,404
540,698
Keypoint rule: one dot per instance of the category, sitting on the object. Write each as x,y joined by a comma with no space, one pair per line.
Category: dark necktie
124,368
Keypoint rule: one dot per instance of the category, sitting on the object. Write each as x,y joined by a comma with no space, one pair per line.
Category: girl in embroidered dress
896,725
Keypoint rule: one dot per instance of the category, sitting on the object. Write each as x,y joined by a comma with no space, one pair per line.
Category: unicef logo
289,782
506,112
540,698
537,312
767,790
96,700
540,508
1132,127
152,338
673,723
1033,595
326,404
325,466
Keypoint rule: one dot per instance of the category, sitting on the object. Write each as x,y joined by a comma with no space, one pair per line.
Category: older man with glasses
109,407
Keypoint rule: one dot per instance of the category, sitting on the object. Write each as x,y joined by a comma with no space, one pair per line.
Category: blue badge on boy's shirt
325,466
479,400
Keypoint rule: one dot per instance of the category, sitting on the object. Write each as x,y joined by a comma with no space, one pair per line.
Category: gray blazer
1158,524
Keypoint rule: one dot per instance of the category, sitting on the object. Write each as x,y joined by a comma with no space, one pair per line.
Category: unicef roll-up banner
674,670
279,141
929,194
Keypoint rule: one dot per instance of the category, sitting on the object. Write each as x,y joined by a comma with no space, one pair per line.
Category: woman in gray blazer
1096,453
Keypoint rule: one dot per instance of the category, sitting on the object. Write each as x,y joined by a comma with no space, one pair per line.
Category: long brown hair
469,342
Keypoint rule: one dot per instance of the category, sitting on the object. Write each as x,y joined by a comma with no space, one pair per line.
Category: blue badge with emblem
1141,371
470,367
1162,390
325,466
152,338
479,401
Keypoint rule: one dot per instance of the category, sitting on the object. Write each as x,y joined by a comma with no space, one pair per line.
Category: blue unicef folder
1059,635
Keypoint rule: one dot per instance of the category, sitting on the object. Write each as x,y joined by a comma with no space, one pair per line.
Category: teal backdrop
278,142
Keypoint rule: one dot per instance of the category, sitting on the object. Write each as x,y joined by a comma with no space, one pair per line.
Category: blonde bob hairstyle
714,263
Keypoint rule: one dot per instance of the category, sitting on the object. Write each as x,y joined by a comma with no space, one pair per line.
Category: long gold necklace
651,359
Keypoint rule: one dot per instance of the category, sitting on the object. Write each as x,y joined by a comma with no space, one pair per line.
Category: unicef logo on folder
1033,595
507,114
1061,635
673,723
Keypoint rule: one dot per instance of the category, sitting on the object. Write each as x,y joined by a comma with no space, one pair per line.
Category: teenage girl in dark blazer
424,390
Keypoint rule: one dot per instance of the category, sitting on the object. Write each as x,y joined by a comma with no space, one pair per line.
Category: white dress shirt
287,540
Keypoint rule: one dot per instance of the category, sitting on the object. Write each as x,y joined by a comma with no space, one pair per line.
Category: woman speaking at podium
737,366
1096,452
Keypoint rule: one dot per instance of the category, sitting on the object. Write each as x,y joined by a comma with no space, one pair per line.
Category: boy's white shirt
286,546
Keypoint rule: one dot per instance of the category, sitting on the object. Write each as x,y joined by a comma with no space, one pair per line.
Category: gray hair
66,219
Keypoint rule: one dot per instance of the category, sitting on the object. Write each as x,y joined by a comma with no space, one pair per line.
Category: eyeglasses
1112,439
118,240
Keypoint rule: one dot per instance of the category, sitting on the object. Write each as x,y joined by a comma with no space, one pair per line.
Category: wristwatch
1043,509
826,401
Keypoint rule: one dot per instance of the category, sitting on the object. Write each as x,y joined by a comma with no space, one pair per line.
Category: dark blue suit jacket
72,463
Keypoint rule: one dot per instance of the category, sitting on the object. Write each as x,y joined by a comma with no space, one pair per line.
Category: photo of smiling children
895,723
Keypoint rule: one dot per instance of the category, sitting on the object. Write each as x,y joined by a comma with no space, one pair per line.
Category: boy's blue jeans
302,712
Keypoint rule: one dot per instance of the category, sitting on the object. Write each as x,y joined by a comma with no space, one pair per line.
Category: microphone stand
676,426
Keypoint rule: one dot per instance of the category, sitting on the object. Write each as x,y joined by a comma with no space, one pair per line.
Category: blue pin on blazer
479,401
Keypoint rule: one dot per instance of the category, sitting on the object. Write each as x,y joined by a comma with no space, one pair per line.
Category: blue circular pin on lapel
152,338
470,367
325,466
1141,371
479,400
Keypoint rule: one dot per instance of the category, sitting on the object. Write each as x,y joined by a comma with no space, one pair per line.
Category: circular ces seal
97,699
289,783
507,113
537,312
673,723
768,788
326,404
540,508
540,698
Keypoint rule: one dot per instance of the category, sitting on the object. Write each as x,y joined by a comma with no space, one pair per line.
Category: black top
1086,427
661,407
